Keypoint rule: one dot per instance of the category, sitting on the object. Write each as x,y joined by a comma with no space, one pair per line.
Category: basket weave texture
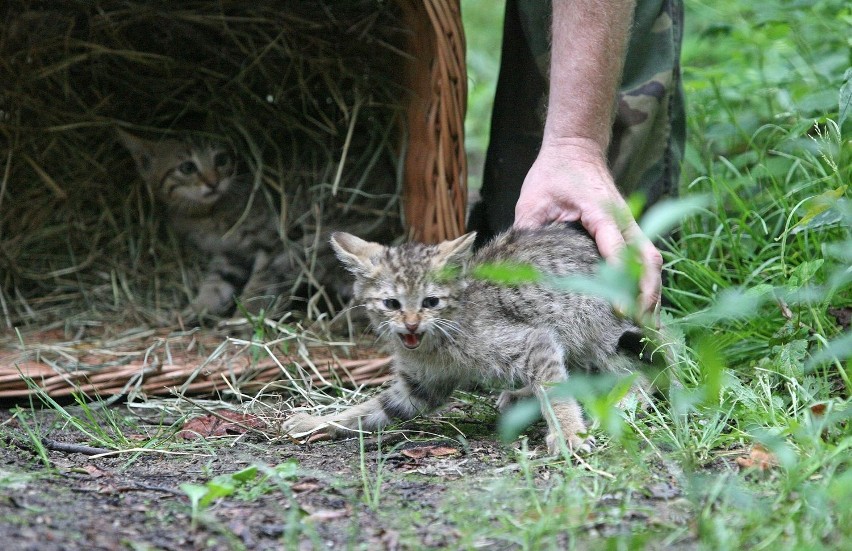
435,167
434,197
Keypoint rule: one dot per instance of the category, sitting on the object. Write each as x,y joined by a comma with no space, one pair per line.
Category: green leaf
709,356
791,357
838,349
216,488
246,474
759,290
730,304
194,492
611,283
665,215
636,203
521,415
818,205
785,454
507,273
803,273
287,470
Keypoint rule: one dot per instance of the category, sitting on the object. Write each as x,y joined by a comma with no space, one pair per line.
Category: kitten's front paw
305,424
575,443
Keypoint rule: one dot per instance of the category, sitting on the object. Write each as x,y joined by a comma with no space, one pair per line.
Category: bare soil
135,500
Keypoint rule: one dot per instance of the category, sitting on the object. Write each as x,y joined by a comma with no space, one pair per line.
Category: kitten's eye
221,159
188,167
391,304
431,302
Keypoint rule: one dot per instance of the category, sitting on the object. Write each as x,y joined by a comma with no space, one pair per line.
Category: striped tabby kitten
449,331
213,209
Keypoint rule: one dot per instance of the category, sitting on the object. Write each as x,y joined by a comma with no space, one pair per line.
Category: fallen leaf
95,472
416,453
429,451
441,451
818,409
759,458
305,486
205,426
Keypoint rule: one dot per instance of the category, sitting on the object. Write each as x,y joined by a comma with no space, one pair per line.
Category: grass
754,450
754,279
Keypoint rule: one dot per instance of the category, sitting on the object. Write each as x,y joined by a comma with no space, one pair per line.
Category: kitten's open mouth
410,340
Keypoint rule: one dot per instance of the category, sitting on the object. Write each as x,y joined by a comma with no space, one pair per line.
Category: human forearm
589,38
570,179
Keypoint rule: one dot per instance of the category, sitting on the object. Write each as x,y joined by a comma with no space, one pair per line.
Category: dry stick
55,446
72,448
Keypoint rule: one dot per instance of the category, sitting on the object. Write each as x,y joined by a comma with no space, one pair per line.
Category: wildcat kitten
451,330
214,209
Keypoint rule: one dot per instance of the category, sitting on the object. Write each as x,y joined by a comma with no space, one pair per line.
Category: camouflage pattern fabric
649,129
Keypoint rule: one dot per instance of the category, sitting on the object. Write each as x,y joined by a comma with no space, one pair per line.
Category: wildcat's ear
355,253
456,251
141,150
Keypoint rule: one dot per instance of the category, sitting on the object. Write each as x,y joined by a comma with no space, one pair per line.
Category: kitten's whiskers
448,328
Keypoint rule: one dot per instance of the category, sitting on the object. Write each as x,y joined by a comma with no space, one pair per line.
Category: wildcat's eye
221,159
391,304
431,302
188,167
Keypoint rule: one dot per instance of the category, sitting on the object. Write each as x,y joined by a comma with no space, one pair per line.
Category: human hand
569,182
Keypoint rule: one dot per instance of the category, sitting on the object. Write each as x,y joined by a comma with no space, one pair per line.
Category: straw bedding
309,93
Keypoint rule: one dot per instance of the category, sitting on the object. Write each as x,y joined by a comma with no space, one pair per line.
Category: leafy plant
245,484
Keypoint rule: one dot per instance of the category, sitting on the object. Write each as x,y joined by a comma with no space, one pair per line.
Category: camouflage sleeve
649,127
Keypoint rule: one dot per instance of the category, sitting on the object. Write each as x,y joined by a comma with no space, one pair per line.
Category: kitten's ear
355,253
456,251
141,150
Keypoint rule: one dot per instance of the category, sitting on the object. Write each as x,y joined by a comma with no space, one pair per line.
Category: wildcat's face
197,175
184,175
411,308
405,289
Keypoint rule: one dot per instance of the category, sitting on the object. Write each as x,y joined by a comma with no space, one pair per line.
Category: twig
72,448
55,446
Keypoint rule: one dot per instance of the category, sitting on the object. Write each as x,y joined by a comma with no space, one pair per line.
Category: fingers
651,280
611,243
609,240
529,216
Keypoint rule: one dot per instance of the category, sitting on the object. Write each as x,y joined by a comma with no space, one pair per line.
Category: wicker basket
434,202
435,166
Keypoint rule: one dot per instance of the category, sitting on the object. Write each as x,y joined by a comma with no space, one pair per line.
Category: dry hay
305,91
308,92
142,362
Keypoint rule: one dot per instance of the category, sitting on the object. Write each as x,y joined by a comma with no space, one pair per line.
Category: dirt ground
135,501
325,498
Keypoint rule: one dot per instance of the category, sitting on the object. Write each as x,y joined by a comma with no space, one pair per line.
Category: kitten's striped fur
213,208
448,332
